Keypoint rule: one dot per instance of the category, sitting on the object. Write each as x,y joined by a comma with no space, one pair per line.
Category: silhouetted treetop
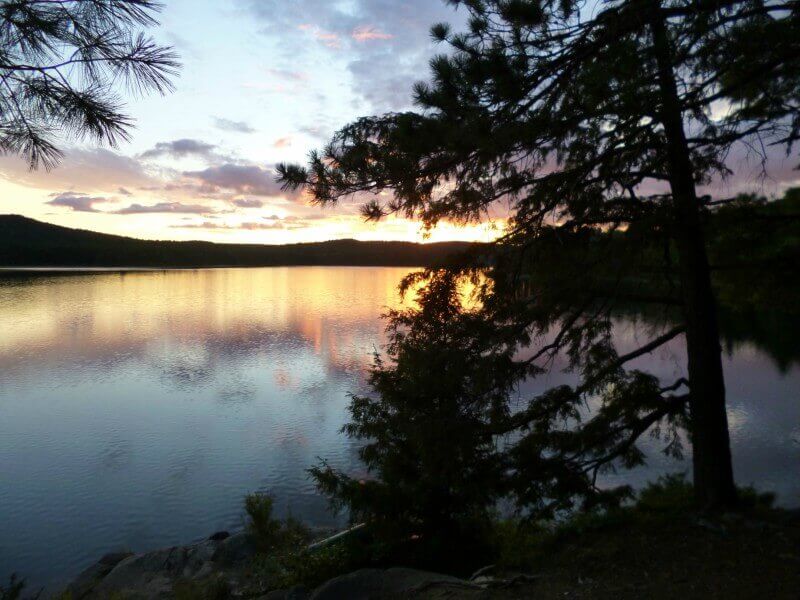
557,107
585,120
60,62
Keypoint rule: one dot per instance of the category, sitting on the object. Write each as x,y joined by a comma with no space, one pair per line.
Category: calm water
137,409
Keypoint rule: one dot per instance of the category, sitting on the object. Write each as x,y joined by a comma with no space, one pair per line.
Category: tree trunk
713,470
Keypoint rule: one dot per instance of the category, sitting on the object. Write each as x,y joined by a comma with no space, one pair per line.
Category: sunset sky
263,81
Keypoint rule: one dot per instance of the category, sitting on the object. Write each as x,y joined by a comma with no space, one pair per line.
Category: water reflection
762,379
137,409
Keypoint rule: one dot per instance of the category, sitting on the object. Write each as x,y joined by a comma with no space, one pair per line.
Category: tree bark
713,470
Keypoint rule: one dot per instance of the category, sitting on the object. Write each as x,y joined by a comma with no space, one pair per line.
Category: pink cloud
368,33
283,142
330,39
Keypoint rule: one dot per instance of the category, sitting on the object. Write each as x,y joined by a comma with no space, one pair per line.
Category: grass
284,559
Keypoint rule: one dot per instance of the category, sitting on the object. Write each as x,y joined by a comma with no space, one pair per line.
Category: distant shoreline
30,246
90,270
6,272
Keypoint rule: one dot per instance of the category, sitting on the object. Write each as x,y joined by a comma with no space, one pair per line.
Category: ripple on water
137,411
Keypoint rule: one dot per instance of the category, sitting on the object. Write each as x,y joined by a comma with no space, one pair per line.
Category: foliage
591,128
754,249
60,62
311,568
434,474
273,535
284,558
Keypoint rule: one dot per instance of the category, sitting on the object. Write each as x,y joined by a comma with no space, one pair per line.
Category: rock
152,574
91,576
298,592
393,583
482,572
237,549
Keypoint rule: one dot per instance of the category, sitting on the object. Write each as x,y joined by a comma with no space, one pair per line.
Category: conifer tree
60,62
593,124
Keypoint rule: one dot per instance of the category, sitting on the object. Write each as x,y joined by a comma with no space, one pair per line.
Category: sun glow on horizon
273,221
257,87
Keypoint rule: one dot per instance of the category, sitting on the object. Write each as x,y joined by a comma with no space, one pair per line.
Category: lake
137,409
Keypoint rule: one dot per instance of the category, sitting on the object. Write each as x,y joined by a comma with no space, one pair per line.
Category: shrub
273,535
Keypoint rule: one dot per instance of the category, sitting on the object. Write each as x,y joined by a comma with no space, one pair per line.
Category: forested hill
26,242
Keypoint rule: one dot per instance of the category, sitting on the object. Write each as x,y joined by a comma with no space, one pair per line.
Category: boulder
394,583
152,574
298,592
88,579
235,550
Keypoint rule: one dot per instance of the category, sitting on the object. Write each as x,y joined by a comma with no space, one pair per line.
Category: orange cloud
368,33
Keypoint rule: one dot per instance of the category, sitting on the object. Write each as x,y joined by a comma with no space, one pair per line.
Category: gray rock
298,592
152,574
235,550
392,583
91,576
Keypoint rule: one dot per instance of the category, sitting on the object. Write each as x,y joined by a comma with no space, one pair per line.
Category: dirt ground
734,559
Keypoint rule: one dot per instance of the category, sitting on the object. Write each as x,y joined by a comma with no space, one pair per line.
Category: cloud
241,179
365,33
248,203
123,192
76,201
315,131
328,38
283,142
164,207
96,169
235,126
247,226
273,221
180,149
385,44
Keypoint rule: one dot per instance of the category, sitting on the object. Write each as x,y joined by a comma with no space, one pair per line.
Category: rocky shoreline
224,560
638,553
153,574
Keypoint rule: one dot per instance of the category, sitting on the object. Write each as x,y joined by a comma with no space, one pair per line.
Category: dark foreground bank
658,548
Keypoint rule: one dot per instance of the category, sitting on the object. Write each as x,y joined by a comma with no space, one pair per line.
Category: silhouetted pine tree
581,118
59,64
428,430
